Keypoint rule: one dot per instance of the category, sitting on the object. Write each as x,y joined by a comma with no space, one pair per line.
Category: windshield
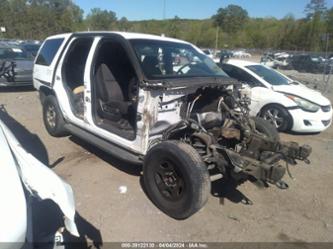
269,75
14,54
164,59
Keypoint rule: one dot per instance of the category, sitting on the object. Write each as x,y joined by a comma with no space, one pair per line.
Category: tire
277,116
265,127
52,117
176,179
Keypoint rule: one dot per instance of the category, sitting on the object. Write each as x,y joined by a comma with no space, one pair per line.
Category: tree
101,19
329,21
231,19
173,27
315,7
123,24
315,11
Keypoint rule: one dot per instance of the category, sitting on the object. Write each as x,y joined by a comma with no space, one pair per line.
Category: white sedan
21,177
287,104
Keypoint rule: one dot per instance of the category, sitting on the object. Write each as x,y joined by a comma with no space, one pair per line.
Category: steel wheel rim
275,117
51,116
169,181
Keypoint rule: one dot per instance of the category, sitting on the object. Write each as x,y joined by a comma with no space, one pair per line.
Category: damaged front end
215,121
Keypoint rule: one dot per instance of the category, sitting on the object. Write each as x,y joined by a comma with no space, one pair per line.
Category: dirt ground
111,200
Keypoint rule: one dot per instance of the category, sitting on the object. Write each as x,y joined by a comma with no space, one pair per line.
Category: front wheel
277,116
176,179
266,128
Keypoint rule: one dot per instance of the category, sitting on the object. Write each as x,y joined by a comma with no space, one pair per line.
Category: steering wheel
179,71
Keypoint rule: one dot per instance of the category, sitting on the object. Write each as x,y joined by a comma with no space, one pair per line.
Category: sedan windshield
269,75
14,54
164,59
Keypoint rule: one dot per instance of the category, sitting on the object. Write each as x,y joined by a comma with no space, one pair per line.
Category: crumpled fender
41,181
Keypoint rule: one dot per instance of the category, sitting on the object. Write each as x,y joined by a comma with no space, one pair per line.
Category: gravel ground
114,207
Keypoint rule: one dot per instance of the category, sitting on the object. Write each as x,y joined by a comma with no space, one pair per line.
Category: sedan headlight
304,104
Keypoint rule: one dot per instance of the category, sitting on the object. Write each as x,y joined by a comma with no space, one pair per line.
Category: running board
104,145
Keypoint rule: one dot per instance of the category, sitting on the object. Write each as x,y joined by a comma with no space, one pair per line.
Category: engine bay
216,122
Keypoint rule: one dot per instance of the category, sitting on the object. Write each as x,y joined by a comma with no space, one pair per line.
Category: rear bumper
310,122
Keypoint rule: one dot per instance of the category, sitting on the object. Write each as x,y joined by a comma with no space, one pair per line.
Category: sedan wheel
277,116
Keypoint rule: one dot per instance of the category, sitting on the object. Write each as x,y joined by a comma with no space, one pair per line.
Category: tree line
230,27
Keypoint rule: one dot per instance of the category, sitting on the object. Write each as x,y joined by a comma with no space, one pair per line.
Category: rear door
46,60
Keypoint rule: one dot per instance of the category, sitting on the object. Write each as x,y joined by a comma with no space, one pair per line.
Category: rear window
48,51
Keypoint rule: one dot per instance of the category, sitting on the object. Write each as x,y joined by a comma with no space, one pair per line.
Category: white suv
161,102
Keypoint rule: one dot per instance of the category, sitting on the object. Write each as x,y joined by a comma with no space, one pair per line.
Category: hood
303,92
192,82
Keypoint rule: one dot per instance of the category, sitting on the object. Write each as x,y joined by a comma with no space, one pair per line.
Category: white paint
19,166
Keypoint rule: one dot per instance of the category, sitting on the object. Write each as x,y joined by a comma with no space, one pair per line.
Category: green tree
231,19
173,28
315,7
99,19
123,24
315,11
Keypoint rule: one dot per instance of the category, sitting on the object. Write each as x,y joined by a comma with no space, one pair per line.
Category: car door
65,92
46,60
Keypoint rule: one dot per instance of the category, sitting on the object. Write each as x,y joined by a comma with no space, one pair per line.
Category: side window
241,75
48,51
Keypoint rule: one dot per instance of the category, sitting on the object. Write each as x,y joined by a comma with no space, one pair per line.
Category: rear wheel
277,116
176,179
52,117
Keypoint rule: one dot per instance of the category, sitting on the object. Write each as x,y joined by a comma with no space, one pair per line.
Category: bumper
310,122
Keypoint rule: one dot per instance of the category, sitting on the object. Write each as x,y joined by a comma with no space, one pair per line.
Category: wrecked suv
161,102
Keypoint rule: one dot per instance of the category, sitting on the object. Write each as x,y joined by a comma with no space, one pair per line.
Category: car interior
114,90
73,73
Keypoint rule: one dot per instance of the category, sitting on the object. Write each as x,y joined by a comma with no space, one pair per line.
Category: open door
114,86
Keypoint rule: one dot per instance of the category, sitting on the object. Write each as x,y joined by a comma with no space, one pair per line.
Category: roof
126,35
241,63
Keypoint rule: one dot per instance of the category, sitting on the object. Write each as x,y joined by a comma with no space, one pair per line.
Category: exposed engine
216,122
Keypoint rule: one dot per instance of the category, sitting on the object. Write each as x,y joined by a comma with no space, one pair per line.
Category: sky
195,9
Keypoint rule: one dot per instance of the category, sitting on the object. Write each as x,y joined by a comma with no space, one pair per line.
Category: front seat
150,66
111,102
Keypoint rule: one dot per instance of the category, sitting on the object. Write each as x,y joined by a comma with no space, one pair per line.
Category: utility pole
217,38
164,9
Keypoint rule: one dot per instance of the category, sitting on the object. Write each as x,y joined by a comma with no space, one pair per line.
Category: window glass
48,51
241,75
165,59
14,53
269,75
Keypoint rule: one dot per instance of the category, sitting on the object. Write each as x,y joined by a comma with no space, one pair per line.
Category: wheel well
270,104
44,92
281,106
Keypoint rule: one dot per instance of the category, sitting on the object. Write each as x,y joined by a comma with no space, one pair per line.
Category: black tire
176,179
277,116
265,127
52,117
